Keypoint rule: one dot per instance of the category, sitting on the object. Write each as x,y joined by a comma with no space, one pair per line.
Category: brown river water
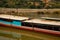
7,33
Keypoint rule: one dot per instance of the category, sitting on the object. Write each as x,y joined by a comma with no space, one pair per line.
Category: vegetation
29,4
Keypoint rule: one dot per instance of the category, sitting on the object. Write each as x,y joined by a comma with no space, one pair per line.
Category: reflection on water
17,34
7,34
6,38
10,34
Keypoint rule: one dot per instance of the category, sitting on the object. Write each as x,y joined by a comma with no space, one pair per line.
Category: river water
17,34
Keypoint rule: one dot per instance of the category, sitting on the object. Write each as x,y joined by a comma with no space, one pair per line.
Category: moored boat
39,25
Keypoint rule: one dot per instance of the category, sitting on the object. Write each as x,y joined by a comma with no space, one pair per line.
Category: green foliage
27,4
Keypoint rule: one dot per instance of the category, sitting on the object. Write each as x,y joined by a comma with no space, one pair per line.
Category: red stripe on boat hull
57,33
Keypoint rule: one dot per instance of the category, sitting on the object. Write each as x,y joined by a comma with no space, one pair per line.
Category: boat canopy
50,18
42,21
13,17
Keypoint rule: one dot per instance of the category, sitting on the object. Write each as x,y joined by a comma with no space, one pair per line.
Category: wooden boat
38,25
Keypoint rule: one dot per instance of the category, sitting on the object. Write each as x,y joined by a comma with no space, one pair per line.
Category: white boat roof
41,21
13,17
50,18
